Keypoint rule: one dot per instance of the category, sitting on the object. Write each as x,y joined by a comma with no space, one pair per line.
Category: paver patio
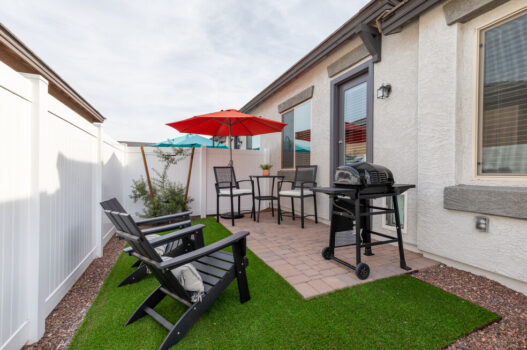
295,254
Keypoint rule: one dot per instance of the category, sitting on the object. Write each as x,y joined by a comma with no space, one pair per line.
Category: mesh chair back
225,177
305,173
141,246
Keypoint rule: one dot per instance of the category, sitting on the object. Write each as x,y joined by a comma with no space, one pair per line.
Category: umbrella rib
194,126
249,131
259,122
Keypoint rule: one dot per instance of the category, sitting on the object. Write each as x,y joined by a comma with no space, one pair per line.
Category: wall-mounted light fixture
384,91
482,223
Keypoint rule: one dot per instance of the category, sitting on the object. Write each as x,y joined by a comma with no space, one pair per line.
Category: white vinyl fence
56,168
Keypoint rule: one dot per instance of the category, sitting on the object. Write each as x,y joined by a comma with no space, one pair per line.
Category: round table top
266,175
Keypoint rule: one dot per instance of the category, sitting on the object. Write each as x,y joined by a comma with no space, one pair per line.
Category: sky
142,64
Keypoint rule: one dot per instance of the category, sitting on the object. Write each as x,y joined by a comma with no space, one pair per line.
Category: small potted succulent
266,169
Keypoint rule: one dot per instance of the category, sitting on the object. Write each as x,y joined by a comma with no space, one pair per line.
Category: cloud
143,64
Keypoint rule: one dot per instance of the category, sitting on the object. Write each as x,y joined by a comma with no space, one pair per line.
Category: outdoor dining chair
227,186
217,268
304,181
174,248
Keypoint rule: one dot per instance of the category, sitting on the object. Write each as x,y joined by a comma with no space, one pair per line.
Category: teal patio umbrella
189,141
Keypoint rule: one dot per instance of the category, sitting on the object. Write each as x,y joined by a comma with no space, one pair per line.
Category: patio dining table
265,197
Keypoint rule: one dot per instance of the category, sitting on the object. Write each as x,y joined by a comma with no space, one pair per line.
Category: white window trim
478,70
384,217
292,109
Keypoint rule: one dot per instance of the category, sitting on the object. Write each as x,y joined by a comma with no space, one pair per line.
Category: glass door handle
340,142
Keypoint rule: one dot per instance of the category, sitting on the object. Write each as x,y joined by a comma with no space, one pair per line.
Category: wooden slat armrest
158,219
164,228
199,253
156,242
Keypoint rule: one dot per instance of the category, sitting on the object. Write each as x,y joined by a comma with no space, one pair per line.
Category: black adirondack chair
217,268
173,248
305,179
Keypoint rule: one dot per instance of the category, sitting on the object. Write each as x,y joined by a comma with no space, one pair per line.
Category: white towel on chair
191,280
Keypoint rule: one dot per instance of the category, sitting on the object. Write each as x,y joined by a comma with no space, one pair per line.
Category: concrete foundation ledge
492,200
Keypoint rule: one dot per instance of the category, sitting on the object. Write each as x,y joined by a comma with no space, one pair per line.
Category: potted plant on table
266,169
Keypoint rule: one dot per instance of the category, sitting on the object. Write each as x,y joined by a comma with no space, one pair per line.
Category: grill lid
363,174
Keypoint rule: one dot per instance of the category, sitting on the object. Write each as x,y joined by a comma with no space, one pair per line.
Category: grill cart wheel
362,271
326,253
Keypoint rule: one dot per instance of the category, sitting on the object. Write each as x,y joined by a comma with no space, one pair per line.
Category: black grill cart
351,224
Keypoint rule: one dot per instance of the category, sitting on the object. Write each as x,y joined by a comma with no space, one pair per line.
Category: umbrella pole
147,175
189,172
230,144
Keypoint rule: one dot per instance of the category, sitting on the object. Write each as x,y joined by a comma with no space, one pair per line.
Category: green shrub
169,196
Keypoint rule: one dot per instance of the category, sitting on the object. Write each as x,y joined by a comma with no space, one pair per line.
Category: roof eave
8,39
348,30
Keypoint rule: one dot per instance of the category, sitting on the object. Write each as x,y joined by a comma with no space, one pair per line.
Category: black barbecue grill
355,186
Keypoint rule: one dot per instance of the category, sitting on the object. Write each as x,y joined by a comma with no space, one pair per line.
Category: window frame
478,98
405,212
292,109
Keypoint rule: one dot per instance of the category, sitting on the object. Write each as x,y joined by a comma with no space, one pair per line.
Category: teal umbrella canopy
189,141
302,146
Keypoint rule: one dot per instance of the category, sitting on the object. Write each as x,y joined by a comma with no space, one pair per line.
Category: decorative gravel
508,333
63,321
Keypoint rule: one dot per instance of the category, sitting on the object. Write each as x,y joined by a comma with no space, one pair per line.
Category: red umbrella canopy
229,122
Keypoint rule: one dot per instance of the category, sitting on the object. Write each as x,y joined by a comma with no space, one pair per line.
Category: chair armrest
201,252
250,180
164,218
308,182
169,227
281,182
156,242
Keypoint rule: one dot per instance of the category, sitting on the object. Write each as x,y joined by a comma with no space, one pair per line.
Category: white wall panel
15,127
113,167
66,197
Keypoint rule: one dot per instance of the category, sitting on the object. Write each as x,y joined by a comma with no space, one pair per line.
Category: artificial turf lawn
394,313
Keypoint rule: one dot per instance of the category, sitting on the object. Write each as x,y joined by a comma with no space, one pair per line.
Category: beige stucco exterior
424,133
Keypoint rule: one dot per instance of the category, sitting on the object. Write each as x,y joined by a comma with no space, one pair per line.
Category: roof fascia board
405,14
29,57
349,29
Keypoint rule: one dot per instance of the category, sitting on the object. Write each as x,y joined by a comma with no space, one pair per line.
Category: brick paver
295,254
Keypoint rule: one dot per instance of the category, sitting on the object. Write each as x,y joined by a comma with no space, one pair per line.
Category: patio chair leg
152,300
232,210
135,276
272,208
217,208
279,214
315,207
293,208
254,209
259,206
302,211
239,204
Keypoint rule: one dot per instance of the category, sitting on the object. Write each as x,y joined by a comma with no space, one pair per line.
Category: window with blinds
296,137
503,98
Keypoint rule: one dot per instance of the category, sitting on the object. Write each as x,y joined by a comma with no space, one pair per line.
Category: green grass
394,313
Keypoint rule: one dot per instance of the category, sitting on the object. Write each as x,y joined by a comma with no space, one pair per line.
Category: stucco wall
424,132
395,120
446,111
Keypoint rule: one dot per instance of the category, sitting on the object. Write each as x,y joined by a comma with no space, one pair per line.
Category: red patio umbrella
229,122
